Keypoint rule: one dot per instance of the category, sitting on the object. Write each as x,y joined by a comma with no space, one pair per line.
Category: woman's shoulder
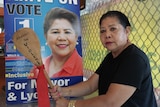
134,51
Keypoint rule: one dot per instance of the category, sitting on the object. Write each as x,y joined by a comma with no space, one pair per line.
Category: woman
124,77
61,30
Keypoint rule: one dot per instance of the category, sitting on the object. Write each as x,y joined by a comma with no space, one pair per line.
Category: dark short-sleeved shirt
131,68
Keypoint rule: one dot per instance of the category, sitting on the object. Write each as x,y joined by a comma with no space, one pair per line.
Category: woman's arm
83,88
77,90
116,96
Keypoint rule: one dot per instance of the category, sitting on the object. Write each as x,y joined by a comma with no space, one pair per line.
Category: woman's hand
55,92
62,102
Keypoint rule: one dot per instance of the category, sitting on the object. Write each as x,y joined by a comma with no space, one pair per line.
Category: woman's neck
56,64
117,52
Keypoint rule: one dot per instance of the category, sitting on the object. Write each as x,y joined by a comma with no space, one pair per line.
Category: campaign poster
31,14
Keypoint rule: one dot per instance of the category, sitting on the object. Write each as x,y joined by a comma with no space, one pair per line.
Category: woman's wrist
66,92
72,103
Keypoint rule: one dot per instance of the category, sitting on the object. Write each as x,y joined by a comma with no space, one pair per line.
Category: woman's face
61,38
112,34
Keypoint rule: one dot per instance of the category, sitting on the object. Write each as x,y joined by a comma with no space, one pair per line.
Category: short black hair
123,19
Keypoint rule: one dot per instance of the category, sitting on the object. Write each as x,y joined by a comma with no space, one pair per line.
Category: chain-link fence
144,16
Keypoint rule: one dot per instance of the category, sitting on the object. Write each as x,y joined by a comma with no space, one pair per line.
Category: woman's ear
45,35
77,40
128,30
